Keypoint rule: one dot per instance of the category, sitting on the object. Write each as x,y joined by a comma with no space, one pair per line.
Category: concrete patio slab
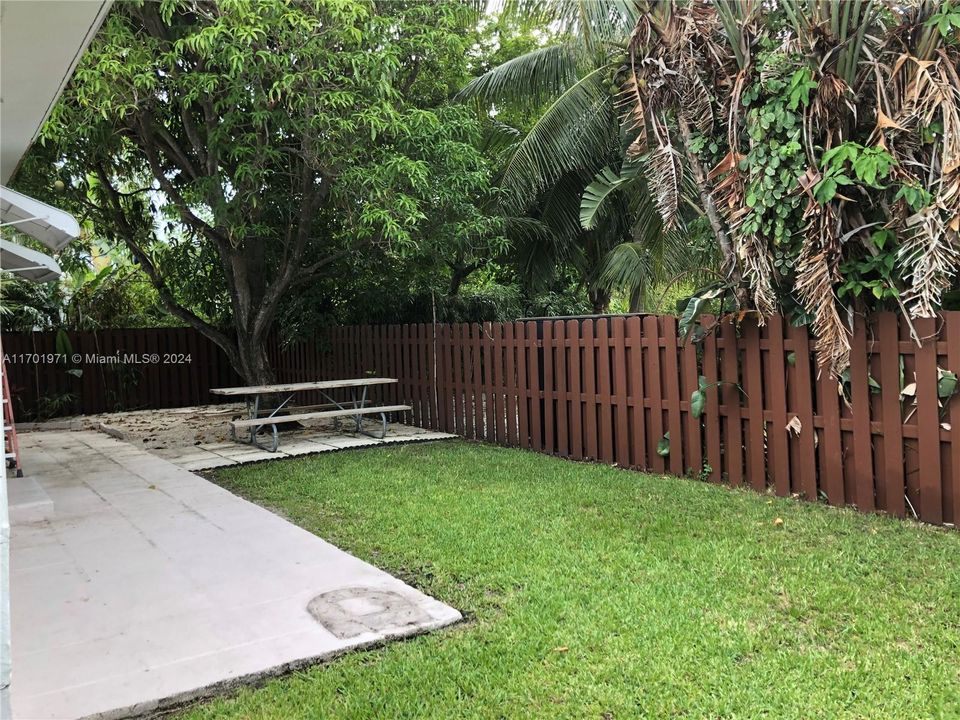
149,586
28,501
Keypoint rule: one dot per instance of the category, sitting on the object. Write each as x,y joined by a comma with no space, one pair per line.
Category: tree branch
146,263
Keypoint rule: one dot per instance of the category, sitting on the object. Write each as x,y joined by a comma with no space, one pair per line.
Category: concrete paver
207,456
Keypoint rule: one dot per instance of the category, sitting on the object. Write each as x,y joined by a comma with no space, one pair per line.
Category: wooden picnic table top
297,387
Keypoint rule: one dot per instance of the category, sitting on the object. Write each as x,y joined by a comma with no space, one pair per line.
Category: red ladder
11,445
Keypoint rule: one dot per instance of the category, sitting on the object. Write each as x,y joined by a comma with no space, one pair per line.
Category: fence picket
691,378
533,385
776,375
479,412
952,489
928,423
831,450
671,376
638,425
803,441
603,391
620,394
654,383
712,405
732,424
860,400
546,335
753,387
523,387
511,383
563,400
589,392
576,403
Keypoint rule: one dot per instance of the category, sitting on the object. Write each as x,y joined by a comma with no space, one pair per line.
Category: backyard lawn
591,592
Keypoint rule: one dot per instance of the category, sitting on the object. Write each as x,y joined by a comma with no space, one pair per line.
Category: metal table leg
253,413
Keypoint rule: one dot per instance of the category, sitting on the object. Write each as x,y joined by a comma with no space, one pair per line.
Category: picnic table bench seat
346,412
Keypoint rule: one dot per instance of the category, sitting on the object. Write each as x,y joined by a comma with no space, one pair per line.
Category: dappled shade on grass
593,592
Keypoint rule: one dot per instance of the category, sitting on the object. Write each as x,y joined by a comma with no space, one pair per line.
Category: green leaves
529,79
605,183
947,21
696,305
663,446
916,196
62,343
873,273
308,139
570,133
869,165
947,383
799,87
697,402
698,399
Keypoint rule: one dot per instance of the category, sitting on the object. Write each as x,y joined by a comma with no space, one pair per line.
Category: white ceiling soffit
27,263
40,44
54,228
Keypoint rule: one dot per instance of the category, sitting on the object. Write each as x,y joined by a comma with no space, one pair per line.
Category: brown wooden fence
618,390
117,369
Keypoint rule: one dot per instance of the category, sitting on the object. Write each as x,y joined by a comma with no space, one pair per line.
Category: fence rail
619,390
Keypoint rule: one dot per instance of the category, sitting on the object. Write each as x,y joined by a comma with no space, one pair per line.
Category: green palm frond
499,139
735,18
559,208
848,22
572,133
628,266
593,204
529,79
562,241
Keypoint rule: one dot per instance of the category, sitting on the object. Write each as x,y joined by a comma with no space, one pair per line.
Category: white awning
52,227
28,263
40,45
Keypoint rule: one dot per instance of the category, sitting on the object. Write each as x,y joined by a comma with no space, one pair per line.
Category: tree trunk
599,301
731,267
253,361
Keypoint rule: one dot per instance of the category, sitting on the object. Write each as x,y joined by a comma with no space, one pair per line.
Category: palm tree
875,91
568,171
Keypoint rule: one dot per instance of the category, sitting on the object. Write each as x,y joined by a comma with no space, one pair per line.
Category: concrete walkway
149,586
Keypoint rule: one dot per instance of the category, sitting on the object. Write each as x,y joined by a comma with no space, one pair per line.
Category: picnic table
355,408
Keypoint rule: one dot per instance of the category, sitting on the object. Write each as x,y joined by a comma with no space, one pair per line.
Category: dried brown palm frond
664,175
632,110
885,78
695,102
755,257
729,191
827,115
931,254
926,91
817,273
949,87
629,103
676,61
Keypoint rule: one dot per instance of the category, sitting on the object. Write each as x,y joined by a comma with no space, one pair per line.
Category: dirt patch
187,426
167,428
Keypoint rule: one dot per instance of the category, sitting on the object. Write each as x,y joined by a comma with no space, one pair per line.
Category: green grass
596,593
